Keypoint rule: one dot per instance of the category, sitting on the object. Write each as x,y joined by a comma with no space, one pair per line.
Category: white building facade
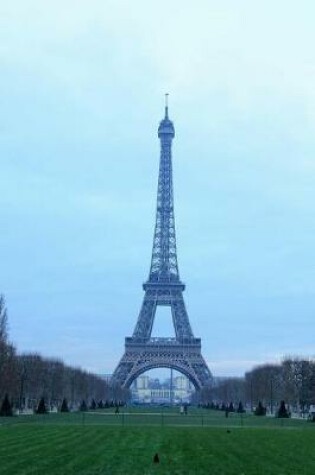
146,390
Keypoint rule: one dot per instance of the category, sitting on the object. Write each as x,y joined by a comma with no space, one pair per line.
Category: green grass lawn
73,444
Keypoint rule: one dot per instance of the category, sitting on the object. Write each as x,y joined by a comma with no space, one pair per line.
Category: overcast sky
81,86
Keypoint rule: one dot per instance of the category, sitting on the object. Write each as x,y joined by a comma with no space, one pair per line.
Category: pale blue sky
82,87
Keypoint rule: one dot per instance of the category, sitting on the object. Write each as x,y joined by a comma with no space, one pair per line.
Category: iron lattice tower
163,287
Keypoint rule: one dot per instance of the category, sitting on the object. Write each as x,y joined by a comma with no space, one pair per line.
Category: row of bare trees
26,378
292,381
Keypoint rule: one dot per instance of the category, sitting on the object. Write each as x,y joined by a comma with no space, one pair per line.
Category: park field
201,443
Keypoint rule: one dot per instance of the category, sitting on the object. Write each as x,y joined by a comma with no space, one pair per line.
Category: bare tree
263,383
3,321
8,379
298,378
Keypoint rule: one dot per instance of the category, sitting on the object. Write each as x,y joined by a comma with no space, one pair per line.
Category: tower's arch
150,366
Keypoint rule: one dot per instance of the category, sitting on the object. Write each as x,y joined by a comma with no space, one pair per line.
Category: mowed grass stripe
32,444
36,440
15,438
104,450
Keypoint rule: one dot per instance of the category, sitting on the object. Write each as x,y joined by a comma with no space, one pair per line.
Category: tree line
27,378
292,381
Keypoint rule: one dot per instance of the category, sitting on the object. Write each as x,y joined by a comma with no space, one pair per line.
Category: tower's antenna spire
166,105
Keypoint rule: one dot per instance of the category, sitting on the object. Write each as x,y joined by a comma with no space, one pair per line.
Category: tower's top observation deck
166,127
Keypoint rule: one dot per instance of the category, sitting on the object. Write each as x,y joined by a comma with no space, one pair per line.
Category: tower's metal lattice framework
163,287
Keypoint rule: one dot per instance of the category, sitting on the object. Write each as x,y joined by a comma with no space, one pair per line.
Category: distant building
141,383
147,390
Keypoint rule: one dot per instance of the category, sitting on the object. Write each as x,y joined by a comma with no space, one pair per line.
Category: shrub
240,408
260,410
83,406
282,411
64,406
41,409
6,408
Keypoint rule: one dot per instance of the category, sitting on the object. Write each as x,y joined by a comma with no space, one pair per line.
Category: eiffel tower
163,287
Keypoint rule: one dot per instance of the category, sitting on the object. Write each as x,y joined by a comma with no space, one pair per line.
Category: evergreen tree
64,406
83,406
93,405
6,408
41,409
260,410
100,404
282,411
240,408
231,407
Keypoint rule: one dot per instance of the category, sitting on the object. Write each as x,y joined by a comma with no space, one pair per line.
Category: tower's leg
180,317
146,317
